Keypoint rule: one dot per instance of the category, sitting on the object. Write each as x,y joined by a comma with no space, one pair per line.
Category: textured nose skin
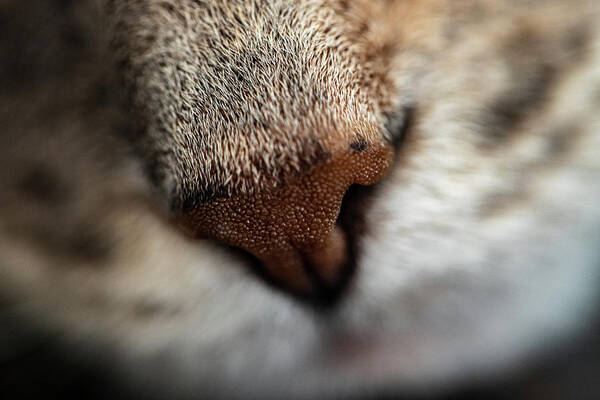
292,229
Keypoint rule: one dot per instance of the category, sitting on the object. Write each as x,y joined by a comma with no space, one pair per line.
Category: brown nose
292,229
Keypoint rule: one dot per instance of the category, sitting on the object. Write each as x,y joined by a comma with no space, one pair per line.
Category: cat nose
292,230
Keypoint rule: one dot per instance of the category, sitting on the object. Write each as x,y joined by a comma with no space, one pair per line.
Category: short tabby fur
478,251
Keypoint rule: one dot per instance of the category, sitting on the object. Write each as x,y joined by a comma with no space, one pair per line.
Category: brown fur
239,97
477,253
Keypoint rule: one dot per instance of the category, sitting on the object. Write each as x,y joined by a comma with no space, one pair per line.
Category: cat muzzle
292,229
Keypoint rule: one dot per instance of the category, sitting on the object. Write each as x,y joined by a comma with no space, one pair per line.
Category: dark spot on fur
343,6
89,245
496,204
398,123
359,145
529,91
150,308
79,243
559,142
41,39
534,70
576,42
41,184
185,201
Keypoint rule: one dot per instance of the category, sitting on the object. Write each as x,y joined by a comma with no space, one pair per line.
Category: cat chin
426,342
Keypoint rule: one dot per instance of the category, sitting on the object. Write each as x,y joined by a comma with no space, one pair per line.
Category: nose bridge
291,229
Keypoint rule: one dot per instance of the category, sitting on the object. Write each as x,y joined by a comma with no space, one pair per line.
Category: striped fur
478,253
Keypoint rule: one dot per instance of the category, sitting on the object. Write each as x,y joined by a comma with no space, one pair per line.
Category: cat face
240,98
473,255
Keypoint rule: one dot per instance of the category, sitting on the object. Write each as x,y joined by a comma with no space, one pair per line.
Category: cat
142,138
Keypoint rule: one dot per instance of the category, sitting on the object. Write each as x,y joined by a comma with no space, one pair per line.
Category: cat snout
292,229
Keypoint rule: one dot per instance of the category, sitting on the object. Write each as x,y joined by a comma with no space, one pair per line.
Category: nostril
327,261
292,229
318,274
330,268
